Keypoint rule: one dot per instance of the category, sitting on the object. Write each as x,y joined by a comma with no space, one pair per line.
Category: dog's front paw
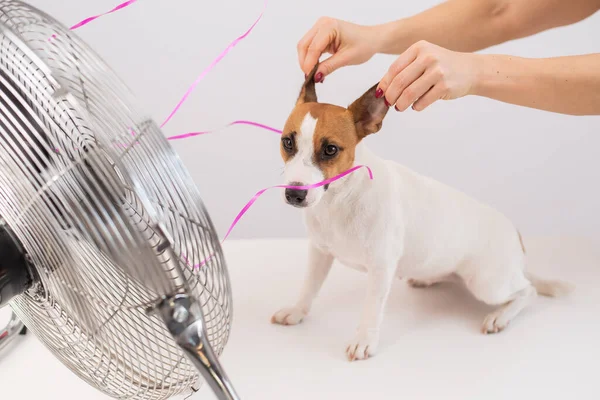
288,316
495,322
362,347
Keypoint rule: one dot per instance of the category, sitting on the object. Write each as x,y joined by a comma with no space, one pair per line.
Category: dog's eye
331,150
287,143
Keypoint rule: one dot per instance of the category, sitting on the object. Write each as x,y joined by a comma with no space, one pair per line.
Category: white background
539,168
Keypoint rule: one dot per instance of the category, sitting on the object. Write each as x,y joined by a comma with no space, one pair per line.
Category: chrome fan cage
110,220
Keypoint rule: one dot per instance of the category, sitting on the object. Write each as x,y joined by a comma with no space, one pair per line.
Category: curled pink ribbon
241,122
92,18
212,65
261,192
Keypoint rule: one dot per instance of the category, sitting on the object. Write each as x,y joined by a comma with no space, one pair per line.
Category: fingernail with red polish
378,93
386,102
396,107
319,77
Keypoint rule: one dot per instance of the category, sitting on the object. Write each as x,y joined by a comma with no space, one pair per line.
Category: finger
335,62
303,46
417,89
432,95
316,48
405,59
402,81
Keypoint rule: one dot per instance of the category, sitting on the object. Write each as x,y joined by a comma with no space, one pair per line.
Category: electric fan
107,253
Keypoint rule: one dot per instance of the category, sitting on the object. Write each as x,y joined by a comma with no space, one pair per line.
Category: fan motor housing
15,276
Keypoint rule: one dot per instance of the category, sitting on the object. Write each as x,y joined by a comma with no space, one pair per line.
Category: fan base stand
11,331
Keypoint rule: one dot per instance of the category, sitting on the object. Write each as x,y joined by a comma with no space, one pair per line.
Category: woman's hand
425,73
349,44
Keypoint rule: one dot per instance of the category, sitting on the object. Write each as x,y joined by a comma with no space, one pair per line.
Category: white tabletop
431,346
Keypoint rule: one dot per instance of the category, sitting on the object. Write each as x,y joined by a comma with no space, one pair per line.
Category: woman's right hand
348,43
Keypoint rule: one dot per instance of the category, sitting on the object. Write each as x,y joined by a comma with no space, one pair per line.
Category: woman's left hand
425,73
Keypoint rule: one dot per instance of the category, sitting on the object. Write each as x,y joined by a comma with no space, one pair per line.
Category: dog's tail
547,287
550,288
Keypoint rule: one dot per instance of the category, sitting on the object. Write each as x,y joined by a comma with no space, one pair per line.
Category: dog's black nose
295,197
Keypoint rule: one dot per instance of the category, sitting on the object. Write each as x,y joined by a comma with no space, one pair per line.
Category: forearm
472,25
459,25
568,85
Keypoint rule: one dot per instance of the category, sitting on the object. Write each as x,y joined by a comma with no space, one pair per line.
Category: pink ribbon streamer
92,18
241,122
192,134
212,65
261,192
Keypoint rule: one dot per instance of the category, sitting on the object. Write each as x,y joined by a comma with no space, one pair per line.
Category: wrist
388,38
492,71
505,78
479,65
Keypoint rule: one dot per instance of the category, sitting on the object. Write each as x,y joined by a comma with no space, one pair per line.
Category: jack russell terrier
400,224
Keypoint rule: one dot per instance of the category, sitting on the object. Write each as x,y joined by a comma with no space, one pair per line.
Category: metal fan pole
184,319
11,331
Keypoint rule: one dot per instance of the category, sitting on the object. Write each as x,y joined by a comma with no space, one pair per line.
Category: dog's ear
308,94
368,113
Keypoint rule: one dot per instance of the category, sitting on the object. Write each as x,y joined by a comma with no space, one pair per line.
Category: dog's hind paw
362,347
288,316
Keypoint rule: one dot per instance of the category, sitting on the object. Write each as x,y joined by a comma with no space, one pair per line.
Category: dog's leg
366,340
319,265
498,320
505,286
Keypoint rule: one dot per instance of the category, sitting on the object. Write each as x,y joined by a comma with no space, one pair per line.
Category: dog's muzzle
296,197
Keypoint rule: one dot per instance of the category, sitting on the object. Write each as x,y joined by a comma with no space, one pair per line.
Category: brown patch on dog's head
334,139
324,136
